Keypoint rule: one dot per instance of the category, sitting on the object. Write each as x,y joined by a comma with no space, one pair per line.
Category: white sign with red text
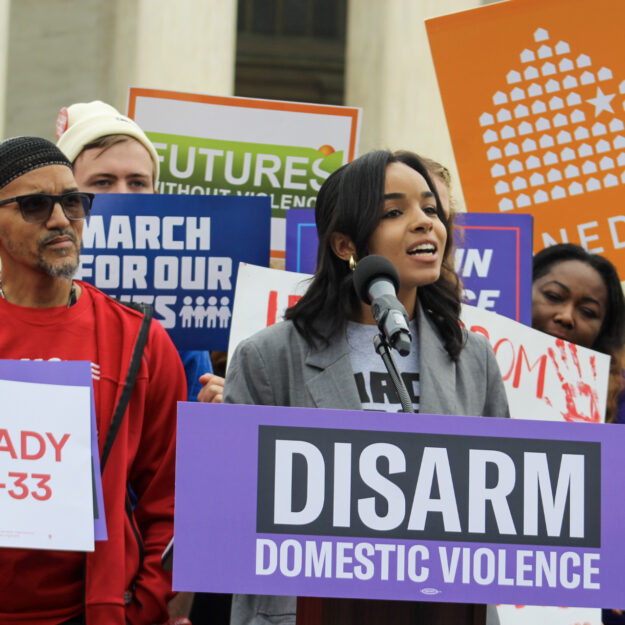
547,615
46,494
545,378
260,298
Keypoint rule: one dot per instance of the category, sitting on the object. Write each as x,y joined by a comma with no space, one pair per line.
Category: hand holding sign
212,389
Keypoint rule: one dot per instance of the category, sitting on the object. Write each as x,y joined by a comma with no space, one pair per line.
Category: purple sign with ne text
337,503
493,258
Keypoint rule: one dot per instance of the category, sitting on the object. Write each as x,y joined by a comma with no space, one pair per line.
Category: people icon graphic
211,312
213,315
199,312
224,312
186,312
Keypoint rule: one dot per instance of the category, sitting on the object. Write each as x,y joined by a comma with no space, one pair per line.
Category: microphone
376,281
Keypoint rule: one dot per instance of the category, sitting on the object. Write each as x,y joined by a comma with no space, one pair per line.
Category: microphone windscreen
370,268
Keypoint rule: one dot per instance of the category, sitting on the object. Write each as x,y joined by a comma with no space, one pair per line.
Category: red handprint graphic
581,396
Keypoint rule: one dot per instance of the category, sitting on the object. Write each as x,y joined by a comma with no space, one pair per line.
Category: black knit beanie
20,155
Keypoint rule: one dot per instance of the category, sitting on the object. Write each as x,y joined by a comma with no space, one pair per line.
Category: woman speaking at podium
322,355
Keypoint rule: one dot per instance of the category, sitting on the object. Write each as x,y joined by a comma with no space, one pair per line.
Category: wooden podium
324,611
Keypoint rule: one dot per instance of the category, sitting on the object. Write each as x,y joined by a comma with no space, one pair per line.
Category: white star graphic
601,102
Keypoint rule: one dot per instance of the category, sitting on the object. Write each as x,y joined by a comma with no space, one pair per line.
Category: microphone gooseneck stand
383,349
376,282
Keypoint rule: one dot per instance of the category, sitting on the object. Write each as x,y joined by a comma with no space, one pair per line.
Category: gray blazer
276,367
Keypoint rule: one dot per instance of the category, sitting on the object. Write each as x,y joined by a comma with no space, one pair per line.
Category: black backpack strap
129,384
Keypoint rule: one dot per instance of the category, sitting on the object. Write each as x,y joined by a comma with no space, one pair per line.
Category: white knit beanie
82,123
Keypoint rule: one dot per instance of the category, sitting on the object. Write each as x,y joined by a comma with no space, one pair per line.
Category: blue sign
178,253
492,256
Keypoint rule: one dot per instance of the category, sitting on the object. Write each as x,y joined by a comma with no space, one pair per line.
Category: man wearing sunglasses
45,315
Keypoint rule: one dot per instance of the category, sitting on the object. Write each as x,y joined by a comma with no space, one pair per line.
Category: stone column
5,6
189,45
65,51
390,74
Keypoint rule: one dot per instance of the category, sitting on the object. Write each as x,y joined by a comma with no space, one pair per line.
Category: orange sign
534,96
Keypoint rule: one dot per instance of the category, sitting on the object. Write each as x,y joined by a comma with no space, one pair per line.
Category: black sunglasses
37,207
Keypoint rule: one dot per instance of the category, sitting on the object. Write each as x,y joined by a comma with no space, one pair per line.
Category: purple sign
66,373
413,507
178,253
301,241
493,257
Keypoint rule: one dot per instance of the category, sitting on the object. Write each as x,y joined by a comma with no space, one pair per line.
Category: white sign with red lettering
260,298
543,615
46,493
545,378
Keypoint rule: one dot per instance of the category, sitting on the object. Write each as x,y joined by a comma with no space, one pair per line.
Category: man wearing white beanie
111,154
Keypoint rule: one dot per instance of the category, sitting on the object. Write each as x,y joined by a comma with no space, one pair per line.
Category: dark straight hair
351,202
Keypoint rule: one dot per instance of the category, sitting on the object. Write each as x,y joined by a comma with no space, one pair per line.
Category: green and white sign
216,145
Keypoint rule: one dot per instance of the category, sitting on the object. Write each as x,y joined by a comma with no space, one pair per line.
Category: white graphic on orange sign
553,132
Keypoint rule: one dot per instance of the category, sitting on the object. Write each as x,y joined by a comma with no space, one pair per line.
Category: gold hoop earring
352,263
